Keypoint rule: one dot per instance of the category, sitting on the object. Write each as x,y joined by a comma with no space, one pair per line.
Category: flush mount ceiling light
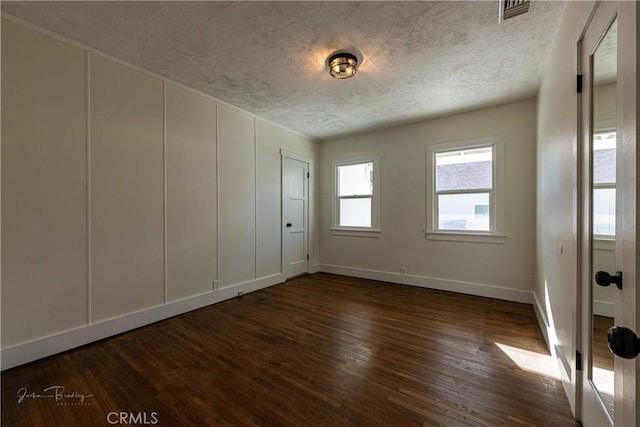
342,65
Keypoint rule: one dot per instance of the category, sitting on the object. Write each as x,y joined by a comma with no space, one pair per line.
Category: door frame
285,154
591,407
627,301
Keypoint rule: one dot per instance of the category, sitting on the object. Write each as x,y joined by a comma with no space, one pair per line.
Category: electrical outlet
216,284
240,293
403,270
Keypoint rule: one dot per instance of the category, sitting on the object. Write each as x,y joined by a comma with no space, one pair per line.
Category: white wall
268,218
237,196
44,186
270,140
556,285
127,202
498,270
191,193
125,196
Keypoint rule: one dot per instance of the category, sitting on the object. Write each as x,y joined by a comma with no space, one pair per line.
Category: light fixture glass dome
343,65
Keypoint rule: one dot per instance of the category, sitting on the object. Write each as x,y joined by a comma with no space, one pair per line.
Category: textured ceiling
421,59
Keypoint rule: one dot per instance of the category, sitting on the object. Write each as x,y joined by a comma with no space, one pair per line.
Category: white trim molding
47,346
496,233
375,229
603,244
541,315
549,334
357,232
466,237
477,289
604,308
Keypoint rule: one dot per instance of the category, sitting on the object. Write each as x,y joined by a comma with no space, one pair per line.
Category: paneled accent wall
191,193
268,201
238,210
44,186
126,198
127,202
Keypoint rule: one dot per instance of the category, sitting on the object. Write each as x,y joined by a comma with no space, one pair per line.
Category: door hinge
307,257
578,361
308,175
579,83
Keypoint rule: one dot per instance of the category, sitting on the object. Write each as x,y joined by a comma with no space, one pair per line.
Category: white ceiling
421,59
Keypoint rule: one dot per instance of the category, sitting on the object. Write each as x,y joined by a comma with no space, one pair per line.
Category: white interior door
295,215
607,385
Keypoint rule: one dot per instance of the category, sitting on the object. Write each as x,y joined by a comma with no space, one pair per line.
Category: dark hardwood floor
603,359
602,356
320,350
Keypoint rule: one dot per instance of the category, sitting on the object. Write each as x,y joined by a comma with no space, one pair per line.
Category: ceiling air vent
512,8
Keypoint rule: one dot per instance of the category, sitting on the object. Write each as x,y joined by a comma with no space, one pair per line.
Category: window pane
464,169
459,212
604,158
355,179
604,211
481,211
355,212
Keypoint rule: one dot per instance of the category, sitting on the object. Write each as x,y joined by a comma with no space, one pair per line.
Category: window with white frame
356,195
604,185
465,189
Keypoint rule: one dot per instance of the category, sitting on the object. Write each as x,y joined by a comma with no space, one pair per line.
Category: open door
607,387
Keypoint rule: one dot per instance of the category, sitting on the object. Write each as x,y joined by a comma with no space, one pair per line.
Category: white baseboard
37,349
604,308
251,285
562,364
543,322
469,288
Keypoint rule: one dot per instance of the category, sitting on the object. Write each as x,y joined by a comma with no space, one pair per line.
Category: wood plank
320,349
602,356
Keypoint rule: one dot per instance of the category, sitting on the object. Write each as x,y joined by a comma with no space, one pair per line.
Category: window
604,185
465,191
356,197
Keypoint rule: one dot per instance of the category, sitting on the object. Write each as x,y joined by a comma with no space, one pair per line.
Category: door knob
623,342
605,279
289,224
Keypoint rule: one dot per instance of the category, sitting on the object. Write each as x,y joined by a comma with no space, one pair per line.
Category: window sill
357,232
604,244
469,236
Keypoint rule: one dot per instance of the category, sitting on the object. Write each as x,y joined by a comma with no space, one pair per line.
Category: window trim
496,233
374,230
604,243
